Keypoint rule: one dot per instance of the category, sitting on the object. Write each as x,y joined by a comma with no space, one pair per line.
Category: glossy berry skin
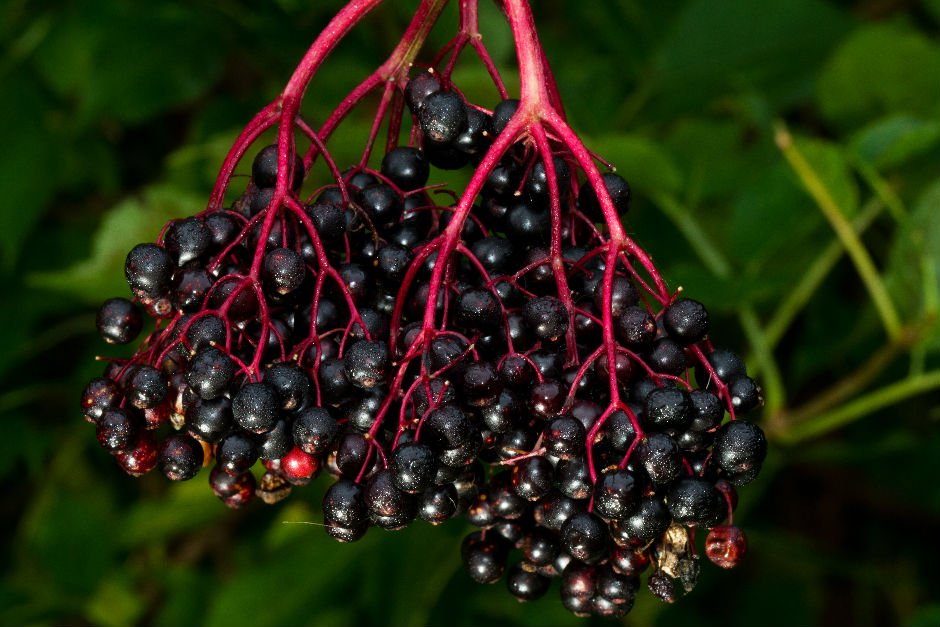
445,428
187,240
419,88
291,384
484,558
119,321
564,437
180,457
502,113
659,455
209,420
299,467
616,494
740,446
147,388
98,396
210,373
619,192
636,328
707,410
438,503
256,407
525,584
668,408
264,169
648,521
381,203
314,430
344,511
442,117
686,320
235,491
726,364
693,501
389,507
148,269
236,453
547,317
117,430
532,478
412,466
283,270
745,394
406,168
366,363
478,309
585,537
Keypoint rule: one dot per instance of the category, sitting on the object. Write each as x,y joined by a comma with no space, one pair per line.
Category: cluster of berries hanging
502,352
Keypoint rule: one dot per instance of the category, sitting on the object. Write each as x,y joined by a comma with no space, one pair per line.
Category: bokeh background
763,140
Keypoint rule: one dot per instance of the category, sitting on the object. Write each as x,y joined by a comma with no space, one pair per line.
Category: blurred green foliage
764,139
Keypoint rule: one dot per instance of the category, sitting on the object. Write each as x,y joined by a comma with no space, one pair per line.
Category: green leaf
829,162
28,168
880,69
643,162
118,63
721,45
891,141
130,222
913,272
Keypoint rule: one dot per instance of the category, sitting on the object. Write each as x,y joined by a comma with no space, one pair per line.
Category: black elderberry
419,88
344,511
533,477
480,383
276,443
585,537
623,295
352,450
256,407
117,430
291,384
686,320
527,222
364,411
496,254
745,394
442,117
516,371
446,427
180,457
148,269
537,184
474,139
283,270
412,466
222,229
389,507
667,357
484,557
381,203
236,453
502,113
366,363
616,494
726,364
187,240
264,168
630,561
438,503
618,431
659,455
636,328
694,501
619,192
190,288
147,387
740,447
525,584
668,408
478,309
329,220
574,478
98,396
648,521
235,491
547,398
205,331
209,420
406,168
547,317
392,262
564,437
555,508
356,280
119,321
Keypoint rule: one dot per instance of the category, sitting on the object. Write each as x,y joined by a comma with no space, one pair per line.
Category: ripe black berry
366,363
412,466
256,407
740,446
442,117
406,168
668,408
236,453
210,373
636,327
116,430
264,168
547,317
619,192
484,557
147,387
187,240
119,321
695,501
180,457
585,537
209,420
616,494
686,320
525,584
283,271
148,269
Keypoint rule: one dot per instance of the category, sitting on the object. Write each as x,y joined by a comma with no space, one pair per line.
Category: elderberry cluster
438,369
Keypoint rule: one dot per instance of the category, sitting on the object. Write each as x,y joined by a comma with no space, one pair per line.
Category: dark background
115,116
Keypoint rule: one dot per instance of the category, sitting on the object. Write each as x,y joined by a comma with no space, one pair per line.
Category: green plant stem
798,296
771,381
866,404
840,224
881,188
694,234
